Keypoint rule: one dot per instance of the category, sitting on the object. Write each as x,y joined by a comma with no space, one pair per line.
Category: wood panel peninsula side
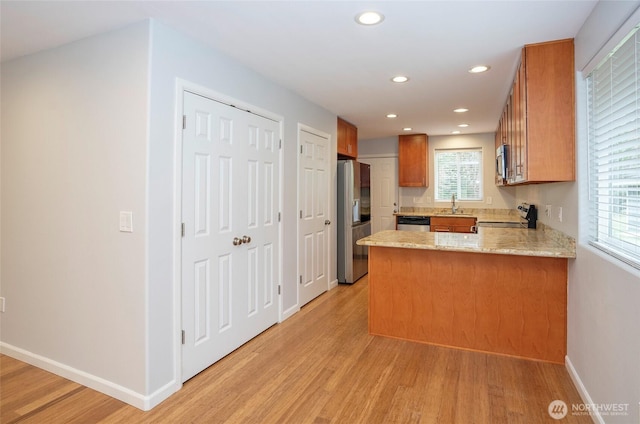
500,291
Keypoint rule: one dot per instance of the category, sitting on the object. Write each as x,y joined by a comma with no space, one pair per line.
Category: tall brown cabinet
538,120
412,160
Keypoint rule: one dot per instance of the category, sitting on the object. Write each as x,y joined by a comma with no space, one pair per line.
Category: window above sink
458,172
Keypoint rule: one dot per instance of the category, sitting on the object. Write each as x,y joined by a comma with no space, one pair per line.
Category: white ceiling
316,49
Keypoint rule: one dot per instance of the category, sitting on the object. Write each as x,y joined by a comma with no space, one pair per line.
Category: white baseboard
99,384
582,391
333,284
289,312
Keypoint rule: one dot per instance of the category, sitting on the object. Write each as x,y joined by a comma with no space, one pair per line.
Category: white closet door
230,197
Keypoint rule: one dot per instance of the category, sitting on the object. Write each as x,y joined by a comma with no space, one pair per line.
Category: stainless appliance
528,218
528,215
354,219
414,223
501,161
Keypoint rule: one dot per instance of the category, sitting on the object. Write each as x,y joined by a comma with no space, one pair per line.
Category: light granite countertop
543,242
482,215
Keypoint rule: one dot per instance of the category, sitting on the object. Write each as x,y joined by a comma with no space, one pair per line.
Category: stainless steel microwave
501,161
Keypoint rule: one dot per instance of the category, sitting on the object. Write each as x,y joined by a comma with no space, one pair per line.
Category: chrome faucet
454,208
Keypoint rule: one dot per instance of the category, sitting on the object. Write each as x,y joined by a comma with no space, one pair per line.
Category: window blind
614,152
458,172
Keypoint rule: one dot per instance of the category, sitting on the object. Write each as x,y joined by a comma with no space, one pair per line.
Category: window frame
609,210
436,191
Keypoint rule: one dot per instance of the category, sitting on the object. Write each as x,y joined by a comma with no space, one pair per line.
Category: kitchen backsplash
469,211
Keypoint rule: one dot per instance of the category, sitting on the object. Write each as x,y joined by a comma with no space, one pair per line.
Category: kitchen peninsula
501,290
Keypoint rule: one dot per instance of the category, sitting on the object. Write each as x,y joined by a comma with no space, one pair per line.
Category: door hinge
182,229
280,144
183,336
301,149
300,214
279,216
184,122
278,288
301,279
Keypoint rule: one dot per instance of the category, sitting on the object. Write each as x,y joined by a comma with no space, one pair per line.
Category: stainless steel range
528,217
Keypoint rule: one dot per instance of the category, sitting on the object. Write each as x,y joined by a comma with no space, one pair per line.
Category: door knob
237,241
327,222
246,239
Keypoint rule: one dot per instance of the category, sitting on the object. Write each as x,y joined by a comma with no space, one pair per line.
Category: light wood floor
319,366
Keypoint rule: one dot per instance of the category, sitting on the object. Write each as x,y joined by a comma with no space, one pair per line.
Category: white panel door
230,196
384,193
313,191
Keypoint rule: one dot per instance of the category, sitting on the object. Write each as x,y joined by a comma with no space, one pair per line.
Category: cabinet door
342,137
452,224
347,139
550,102
352,141
519,103
412,160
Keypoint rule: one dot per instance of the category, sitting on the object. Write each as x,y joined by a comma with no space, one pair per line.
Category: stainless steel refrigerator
354,219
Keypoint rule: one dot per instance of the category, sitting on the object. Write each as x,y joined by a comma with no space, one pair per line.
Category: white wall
177,56
501,197
74,141
88,131
603,340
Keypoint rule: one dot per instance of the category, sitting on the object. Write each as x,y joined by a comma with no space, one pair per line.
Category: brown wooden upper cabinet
347,139
538,121
412,160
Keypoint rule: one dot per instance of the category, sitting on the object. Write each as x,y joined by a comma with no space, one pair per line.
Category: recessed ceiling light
455,132
480,68
369,18
461,110
400,78
407,129
463,125
392,115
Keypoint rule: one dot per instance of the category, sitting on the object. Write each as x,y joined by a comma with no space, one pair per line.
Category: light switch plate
126,221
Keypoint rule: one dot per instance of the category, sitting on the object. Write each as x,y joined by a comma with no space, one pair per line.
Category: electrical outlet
560,213
1,304
547,211
489,200
417,200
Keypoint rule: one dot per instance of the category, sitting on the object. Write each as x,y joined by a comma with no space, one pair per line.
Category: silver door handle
246,239
327,222
237,241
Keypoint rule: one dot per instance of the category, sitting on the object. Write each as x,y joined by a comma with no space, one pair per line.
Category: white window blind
458,172
614,152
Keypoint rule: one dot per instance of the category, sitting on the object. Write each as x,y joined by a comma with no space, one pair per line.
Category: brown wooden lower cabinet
504,304
453,224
